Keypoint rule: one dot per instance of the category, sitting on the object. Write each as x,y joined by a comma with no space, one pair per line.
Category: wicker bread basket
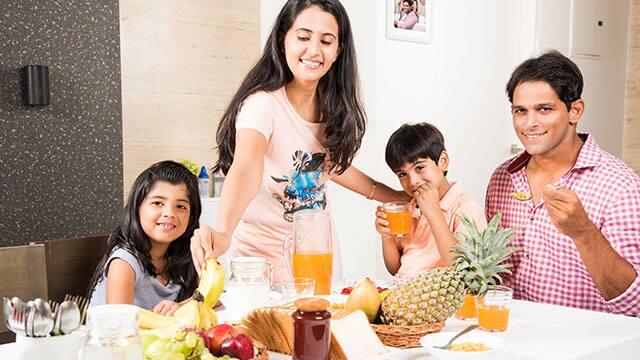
405,337
261,351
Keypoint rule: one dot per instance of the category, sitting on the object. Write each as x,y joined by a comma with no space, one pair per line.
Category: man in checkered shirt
576,207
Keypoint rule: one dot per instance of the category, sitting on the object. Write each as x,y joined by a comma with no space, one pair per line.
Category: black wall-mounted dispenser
36,84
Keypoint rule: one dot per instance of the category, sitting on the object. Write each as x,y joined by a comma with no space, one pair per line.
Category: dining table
535,331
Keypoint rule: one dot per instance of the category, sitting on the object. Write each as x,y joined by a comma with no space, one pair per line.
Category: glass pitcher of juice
308,248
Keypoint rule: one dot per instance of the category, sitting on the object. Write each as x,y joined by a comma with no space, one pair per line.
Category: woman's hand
207,243
166,307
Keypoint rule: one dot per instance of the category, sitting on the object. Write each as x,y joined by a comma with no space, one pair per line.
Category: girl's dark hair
557,70
338,92
411,142
131,237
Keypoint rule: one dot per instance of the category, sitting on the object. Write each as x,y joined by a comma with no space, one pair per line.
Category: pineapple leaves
480,256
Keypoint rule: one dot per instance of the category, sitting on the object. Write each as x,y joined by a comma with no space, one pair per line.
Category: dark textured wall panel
61,164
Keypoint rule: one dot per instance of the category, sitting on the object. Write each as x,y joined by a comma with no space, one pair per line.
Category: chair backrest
24,274
71,263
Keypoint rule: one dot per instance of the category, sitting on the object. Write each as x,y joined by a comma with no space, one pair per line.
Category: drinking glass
493,309
399,218
295,288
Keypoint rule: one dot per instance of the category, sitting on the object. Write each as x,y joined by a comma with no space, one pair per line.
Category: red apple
216,335
240,347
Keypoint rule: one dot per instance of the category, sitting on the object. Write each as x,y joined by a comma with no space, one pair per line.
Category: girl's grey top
148,291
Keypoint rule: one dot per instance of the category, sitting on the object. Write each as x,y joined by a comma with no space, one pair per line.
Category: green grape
175,356
207,356
180,335
147,339
191,340
155,348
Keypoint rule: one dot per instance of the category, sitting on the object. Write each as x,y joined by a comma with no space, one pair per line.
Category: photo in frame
409,20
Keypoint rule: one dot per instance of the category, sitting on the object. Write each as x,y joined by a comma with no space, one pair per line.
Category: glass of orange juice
399,217
308,248
493,309
468,308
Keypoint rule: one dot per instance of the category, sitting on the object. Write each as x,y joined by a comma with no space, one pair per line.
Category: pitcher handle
287,247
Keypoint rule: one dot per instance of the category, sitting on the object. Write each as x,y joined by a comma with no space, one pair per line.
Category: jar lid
311,304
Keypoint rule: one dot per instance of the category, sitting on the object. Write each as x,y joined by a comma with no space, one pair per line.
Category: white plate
495,344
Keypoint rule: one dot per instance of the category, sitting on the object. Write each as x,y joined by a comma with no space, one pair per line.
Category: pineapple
431,297
479,256
435,295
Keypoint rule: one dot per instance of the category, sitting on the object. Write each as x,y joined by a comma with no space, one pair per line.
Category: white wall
457,83
604,90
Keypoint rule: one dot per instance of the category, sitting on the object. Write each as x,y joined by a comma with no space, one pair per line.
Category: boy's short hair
557,70
411,142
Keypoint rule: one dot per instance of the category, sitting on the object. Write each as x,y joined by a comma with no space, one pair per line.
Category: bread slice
351,335
352,338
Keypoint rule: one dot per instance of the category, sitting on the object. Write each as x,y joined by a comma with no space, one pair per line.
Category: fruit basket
405,336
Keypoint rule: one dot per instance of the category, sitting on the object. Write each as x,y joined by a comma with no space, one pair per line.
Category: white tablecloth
536,331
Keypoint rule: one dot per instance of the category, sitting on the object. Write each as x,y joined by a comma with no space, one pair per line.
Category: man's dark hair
557,70
412,142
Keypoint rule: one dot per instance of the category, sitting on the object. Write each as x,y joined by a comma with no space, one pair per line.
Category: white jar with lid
113,333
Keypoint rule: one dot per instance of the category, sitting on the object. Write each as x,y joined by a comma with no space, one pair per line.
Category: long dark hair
131,237
338,91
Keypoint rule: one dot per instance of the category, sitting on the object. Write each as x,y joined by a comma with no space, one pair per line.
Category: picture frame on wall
409,20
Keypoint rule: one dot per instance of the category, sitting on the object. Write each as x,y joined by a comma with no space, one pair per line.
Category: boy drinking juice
416,154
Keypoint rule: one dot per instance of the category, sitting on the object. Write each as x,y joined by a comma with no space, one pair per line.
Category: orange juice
399,222
468,309
318,266
493,317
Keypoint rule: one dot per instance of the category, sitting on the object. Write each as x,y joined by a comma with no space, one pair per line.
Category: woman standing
295,122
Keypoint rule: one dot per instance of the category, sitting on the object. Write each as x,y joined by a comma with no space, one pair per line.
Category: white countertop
536,331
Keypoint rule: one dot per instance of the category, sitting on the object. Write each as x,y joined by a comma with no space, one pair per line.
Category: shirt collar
589,155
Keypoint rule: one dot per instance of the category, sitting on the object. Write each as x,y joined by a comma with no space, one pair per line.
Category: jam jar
311,333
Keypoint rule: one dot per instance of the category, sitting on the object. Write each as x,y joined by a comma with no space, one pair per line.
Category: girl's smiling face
311,44
164,213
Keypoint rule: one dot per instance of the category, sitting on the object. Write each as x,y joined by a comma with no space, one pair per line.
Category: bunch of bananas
197,313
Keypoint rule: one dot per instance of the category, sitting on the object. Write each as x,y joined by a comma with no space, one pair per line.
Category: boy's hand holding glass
382,224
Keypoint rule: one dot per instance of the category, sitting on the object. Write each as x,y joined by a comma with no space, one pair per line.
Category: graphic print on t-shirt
302,190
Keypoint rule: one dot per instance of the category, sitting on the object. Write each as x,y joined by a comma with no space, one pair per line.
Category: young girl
148,262
295,122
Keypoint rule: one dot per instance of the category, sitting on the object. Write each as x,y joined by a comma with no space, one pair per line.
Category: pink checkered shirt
549,269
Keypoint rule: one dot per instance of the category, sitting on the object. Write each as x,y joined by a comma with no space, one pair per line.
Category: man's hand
428,199
207,243
566,211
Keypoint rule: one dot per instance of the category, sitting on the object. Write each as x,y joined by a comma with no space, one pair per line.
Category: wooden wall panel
631,151
181,62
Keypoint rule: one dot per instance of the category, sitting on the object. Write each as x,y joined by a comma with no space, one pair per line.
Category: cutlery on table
68,318
464,331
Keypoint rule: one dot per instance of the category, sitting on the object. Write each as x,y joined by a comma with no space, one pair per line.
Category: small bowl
495,344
